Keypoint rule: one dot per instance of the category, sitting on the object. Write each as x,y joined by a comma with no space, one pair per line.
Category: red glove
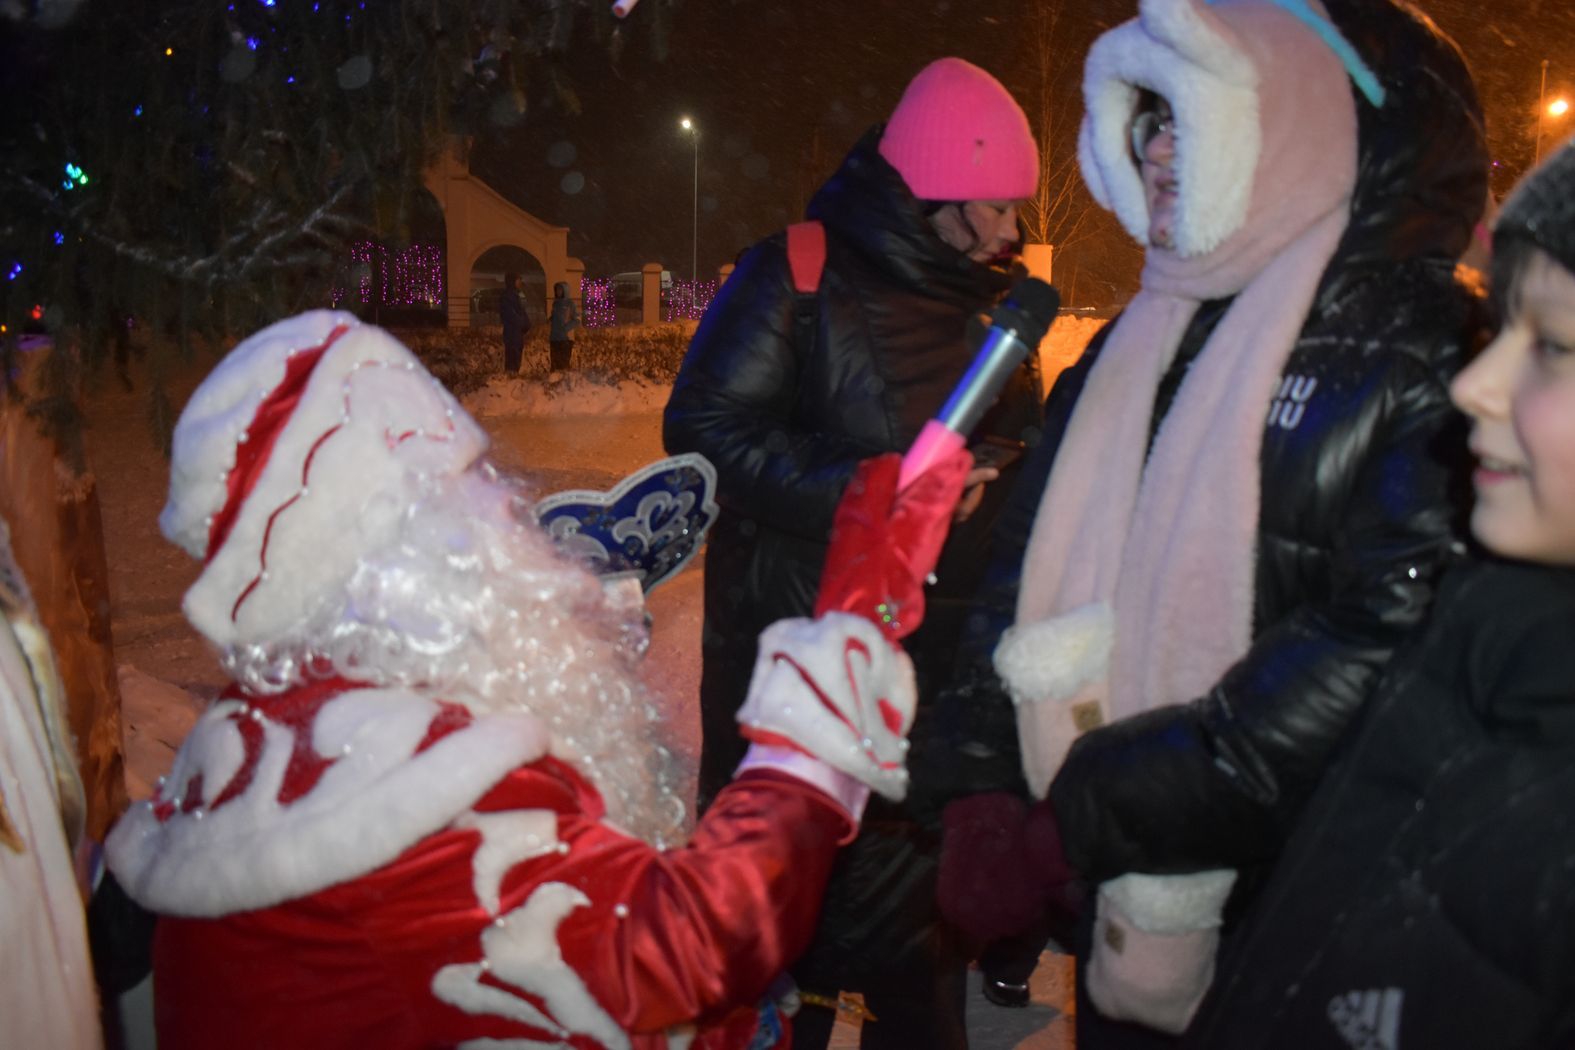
885,543
1002,867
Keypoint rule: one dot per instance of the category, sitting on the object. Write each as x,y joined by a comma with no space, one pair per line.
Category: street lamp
1557,108
694,251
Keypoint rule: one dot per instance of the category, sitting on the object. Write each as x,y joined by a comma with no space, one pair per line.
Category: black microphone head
1036,303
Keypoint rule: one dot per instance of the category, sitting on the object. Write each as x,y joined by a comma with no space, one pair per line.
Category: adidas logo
1368,1020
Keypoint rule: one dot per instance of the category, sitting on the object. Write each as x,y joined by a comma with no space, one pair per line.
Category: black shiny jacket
1360,497
1427,887
786,424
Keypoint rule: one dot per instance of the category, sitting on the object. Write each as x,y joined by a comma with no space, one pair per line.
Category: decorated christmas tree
197,168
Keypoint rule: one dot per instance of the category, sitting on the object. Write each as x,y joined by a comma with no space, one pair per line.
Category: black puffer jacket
1426,901
1358,504
786,424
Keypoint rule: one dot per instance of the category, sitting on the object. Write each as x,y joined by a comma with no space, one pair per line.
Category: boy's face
1520,394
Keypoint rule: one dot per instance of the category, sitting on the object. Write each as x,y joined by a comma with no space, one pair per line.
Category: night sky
781,91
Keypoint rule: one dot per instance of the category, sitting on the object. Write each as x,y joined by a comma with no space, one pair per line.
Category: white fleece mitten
835,689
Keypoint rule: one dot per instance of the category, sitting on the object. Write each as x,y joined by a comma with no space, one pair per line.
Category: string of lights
412,276
598,306
688,300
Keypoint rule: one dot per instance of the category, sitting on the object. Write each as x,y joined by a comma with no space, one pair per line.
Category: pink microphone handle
935,441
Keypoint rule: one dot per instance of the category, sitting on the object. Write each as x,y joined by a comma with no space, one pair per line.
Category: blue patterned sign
647,526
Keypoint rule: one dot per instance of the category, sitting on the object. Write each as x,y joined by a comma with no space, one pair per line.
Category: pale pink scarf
1138,578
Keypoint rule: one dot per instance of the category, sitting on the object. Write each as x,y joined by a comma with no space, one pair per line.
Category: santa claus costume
434,808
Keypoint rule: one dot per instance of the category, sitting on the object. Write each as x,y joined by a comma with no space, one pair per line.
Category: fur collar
270,800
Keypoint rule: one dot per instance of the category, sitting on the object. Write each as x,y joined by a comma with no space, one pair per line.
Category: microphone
1016,328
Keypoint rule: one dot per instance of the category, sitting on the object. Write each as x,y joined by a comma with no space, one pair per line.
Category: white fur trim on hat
1182,50
368,420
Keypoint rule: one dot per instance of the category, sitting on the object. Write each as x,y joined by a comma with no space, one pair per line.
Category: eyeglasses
1148,126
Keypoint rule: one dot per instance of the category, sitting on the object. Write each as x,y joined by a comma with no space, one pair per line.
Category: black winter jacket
1356,512
1426,900
786,424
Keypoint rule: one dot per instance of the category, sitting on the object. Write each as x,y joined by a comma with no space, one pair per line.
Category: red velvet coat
516,914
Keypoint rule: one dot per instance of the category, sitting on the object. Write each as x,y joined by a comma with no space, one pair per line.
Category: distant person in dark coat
515,324
1425,899
565,318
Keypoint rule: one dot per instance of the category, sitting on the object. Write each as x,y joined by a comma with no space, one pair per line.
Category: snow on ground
565,394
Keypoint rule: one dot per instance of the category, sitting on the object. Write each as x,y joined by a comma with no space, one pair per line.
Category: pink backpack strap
806,250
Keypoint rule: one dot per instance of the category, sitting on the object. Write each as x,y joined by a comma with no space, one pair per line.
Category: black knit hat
1542,209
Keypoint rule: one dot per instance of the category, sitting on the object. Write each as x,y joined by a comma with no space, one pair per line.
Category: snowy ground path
577,440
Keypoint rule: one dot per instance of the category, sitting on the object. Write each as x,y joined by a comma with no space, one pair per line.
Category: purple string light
688,300
599,306
412,276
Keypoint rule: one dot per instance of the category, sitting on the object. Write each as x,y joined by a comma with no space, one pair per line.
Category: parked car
629,287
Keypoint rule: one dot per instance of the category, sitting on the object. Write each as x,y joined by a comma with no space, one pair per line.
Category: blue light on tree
60,238
16,271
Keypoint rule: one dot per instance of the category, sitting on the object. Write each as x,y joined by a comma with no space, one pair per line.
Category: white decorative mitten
1155,938
835,689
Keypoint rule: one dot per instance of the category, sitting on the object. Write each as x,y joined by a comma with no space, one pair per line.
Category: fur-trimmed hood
1422,160
1184,51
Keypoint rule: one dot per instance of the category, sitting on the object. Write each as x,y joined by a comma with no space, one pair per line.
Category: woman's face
1520,395
982,230
1154,151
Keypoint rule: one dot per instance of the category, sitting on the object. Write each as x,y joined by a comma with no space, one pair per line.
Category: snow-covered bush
466,358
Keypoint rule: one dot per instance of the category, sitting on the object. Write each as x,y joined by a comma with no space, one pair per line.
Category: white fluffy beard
472,603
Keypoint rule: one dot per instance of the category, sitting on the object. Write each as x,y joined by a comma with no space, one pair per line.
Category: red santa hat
295,457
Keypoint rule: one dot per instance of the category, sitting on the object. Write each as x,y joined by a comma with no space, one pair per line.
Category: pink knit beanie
957,135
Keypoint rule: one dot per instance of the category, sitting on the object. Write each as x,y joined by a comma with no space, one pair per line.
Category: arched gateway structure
477,218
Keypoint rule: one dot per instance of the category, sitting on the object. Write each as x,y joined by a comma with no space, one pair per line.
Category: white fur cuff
1170,904
842,789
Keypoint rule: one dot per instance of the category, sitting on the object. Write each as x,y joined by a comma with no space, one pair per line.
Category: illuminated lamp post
1557,108
694,251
